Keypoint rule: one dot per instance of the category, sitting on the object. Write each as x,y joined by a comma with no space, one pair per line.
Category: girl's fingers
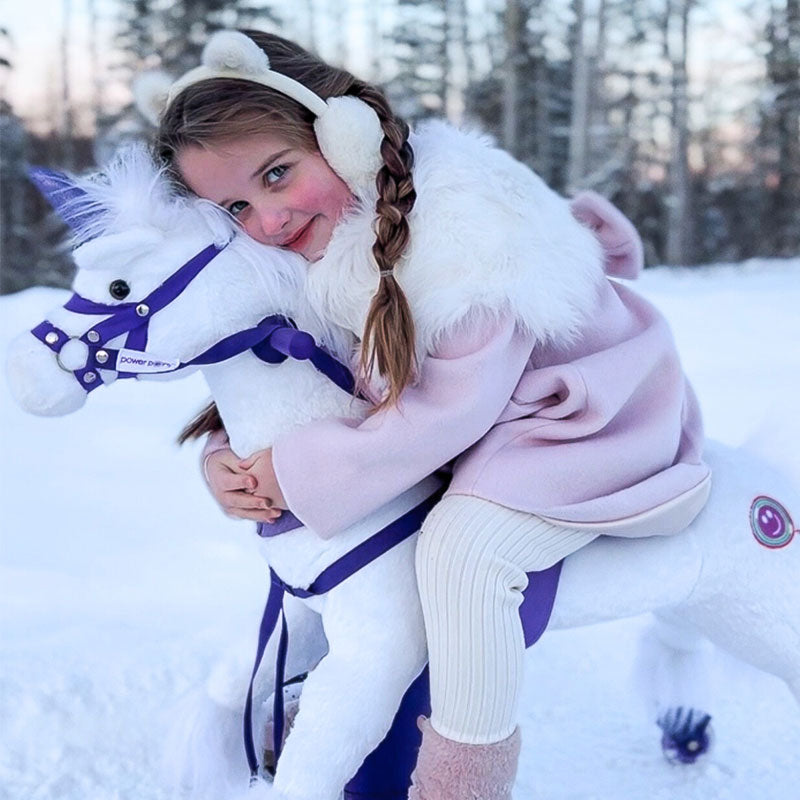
235,501
236,481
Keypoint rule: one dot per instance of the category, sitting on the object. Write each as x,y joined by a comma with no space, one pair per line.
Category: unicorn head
161,275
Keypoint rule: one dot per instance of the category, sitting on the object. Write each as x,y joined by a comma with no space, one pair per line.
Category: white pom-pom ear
349,136
150,91
232,50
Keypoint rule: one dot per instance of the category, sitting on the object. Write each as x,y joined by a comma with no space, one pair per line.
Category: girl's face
282,196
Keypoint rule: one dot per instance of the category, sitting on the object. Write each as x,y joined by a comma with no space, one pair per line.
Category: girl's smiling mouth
300,239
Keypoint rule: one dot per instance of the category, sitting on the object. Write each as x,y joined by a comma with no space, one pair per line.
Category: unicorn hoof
686,734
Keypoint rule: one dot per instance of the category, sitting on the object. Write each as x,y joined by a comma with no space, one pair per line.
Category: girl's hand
233,488
259,466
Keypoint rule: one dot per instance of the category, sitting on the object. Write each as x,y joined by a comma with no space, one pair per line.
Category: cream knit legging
472,558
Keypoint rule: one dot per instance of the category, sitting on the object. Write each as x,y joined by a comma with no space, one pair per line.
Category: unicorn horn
68,200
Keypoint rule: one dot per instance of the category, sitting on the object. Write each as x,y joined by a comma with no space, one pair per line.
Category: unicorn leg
386,771
674,663
350,699
204,757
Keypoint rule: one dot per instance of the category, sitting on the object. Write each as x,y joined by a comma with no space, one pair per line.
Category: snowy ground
120,582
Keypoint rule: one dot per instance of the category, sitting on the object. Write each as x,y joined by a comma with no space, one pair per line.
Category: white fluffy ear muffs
349,136
348,131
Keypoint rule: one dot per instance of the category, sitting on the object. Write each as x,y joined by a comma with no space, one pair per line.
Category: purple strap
124,317
259,336
273,340
82,305
537,602
41,331
286,522
44,328
341,569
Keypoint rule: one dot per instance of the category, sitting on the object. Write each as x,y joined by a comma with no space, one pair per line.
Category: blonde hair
223,108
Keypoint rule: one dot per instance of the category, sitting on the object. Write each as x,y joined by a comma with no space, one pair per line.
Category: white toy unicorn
165,282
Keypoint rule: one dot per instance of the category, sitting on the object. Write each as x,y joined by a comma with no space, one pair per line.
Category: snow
122,582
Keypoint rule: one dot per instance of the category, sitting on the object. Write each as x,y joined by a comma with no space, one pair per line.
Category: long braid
388,339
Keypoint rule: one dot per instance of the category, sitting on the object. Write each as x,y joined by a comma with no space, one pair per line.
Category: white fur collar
486,233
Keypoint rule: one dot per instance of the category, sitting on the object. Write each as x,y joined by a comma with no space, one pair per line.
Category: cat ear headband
348,131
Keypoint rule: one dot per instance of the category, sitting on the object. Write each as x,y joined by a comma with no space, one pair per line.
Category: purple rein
273,340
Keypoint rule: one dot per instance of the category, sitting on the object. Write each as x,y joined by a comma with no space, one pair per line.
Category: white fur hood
486,232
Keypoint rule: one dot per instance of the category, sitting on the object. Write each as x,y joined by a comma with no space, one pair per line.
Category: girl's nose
266,223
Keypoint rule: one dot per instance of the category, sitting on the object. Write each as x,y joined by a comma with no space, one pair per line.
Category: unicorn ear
68,200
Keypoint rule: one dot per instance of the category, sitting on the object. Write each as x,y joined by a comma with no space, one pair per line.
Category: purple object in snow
686,734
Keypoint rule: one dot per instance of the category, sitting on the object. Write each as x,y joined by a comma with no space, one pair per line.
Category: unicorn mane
133,190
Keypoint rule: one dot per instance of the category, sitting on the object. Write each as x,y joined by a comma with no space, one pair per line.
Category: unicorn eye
119,290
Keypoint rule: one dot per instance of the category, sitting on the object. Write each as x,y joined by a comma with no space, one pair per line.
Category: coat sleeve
216,441
334,472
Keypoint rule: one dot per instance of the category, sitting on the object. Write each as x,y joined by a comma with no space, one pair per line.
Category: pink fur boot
448,770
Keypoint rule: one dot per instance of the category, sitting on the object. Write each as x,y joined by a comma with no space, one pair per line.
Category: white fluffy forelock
134,191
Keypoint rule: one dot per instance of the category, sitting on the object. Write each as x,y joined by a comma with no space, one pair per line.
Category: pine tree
419,86
676,35
525,103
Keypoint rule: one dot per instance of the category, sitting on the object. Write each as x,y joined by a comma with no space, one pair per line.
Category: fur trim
487,234
349,135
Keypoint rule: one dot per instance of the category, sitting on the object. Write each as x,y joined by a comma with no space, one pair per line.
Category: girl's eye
275,174
119,289
271,176
237,207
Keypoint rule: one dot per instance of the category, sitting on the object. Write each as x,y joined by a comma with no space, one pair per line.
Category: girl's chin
314,254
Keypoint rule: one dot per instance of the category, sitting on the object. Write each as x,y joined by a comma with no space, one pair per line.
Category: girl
490,339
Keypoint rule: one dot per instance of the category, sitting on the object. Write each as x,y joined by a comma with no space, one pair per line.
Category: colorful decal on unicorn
770,522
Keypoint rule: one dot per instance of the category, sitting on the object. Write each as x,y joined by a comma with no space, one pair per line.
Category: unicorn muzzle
38,383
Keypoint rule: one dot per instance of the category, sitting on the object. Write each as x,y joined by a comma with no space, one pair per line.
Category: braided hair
224,108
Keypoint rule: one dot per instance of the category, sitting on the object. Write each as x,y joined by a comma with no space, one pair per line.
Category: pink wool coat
543,384
605,432
601,431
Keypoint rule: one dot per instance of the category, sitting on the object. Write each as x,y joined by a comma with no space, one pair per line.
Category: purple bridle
131,318
273,340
